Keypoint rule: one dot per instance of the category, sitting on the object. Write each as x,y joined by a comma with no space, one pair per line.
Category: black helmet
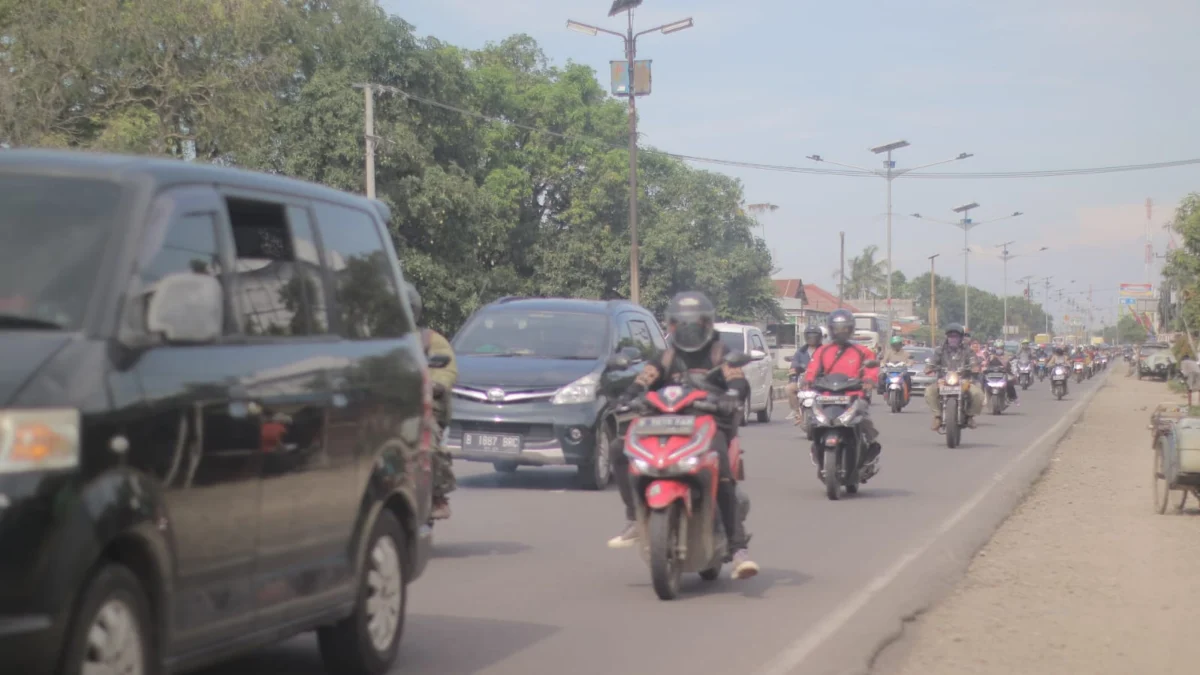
414,301
841,326
690,318
813,332
1058,350
955,328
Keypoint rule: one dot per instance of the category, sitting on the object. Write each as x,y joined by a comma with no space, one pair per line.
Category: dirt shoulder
1084,577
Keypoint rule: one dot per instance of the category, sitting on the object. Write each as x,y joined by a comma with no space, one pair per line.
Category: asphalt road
522,581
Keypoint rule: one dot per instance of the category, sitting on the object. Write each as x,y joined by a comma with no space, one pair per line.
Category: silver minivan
759,372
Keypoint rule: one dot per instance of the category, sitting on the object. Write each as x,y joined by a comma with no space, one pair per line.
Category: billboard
1137,291
619,77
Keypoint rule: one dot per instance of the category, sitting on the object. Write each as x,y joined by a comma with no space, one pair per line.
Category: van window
368,300
641,337
279,289
190,245
757,343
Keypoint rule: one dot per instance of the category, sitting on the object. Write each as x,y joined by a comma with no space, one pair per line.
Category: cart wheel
1162,491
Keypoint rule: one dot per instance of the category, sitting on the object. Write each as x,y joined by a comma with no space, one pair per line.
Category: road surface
522,582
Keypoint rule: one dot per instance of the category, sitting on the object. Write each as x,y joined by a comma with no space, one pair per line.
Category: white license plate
665,425
497,443
951,389
833,400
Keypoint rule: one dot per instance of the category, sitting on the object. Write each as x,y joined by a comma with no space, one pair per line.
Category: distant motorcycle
1041,369
953,388
896,382
995,391
1079,372
1025,374
1058,381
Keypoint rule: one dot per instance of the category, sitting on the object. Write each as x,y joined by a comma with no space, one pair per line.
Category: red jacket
827,362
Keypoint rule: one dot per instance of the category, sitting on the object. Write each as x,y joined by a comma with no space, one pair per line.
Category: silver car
917,370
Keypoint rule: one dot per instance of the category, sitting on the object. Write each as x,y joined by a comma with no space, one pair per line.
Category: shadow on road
767,578
531,478
868,492
471,549
428,647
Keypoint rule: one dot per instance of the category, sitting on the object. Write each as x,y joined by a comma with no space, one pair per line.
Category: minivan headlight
38,439
582,390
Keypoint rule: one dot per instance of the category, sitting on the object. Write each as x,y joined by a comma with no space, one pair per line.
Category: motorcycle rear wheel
833,488
665,568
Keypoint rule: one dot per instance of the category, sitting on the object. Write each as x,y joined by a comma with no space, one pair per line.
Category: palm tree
864,275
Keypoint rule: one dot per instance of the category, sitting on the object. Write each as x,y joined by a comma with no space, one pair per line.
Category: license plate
951,389
833,400
502,444
665,425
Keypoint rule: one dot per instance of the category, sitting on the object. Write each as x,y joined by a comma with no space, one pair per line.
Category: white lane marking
797,652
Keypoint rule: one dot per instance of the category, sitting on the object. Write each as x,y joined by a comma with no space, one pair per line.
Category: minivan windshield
736,342
52,235
544,335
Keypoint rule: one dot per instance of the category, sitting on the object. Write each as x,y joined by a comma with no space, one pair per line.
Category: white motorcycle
995,391
1058,381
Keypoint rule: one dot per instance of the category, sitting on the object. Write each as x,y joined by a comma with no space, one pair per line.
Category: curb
875,616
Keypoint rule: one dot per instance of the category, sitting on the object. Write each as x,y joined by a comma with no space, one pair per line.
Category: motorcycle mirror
871,363
929,362
439,361
738,359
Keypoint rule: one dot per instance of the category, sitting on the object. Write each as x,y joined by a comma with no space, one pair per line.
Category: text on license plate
500,443
668,425
833,400
951,389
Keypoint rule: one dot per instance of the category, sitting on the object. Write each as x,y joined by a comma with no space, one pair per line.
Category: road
522,581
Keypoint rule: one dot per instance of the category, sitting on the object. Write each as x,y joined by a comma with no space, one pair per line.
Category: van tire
112,583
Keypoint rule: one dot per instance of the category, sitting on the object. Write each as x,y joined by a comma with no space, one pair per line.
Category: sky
1023,85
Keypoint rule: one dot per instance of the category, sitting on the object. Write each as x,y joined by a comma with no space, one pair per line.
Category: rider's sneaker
937,424
971,422
627,538
441,510
743,566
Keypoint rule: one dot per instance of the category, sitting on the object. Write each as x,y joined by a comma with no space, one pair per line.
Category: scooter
995,391
806,409
1079,372
1041,370
1025,375
675,475
1058,382
896,383
838,442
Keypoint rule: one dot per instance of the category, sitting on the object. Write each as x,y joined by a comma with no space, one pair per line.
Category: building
803,305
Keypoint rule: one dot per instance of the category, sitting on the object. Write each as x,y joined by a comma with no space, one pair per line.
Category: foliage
1182,348
1129,331
865,275
987,309
1182,271
480,209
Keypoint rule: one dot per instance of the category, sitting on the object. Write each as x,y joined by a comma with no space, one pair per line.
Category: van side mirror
186,308
439,360
618,362
757,355
738,359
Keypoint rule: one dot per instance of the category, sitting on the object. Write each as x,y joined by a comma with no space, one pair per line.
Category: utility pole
933,318
369,108
842,269
630,39
1046,308
1005,257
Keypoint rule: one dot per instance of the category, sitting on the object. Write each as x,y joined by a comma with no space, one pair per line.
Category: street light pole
933,322
889,174
630,39
1005,256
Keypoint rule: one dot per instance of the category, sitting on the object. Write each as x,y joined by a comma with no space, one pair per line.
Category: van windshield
52,235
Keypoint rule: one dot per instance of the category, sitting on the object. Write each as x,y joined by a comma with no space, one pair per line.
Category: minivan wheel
764,415
110,634
596,472
366,642
505,467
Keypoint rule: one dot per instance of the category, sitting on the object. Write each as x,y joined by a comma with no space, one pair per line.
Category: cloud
1102,227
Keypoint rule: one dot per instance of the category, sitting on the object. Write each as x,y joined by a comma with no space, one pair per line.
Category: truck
869,330
1041,339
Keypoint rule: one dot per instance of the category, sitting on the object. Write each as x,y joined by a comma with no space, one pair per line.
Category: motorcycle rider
812,342
1024,353
998,360
843,357
895,354
953,355
443,380
694,347
1059,358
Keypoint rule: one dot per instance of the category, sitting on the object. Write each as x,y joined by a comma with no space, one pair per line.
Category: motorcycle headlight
819,416
952,379
582,390
38,439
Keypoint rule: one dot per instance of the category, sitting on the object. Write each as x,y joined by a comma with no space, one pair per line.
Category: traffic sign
1128,301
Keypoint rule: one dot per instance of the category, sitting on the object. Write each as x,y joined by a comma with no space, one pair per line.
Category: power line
784,168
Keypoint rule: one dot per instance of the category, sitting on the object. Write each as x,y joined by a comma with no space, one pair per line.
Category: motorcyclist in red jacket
841,356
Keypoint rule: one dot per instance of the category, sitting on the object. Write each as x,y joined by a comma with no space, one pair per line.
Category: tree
864,274
1129,330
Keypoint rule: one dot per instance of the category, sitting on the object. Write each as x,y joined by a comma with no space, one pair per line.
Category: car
1156,360
760,373
214,426
533,388
920,380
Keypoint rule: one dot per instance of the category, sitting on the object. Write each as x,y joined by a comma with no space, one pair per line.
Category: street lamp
890,173
1006,256
966,225
630,39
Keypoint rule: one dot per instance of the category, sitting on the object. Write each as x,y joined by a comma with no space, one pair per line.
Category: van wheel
596,472
366,642
112,630
764,415
505,467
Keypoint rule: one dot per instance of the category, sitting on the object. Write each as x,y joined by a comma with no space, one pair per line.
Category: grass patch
1175,386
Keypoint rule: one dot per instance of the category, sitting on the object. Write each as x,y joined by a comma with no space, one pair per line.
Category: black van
214,418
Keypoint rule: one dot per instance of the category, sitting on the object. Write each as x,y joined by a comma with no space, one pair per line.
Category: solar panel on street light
966,207
895,145
619,6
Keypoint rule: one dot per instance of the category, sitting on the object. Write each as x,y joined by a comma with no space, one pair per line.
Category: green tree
864,274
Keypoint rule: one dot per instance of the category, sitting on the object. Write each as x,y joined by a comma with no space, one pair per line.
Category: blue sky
1022,84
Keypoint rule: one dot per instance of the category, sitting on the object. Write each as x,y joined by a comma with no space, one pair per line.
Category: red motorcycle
675,473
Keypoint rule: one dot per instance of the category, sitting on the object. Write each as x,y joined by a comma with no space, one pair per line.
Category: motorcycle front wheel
894,399
833,488
950,420
665,566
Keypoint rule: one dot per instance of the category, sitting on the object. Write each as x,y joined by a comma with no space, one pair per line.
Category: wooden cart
1176,439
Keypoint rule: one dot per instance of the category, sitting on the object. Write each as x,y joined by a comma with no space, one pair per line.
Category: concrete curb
849,640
